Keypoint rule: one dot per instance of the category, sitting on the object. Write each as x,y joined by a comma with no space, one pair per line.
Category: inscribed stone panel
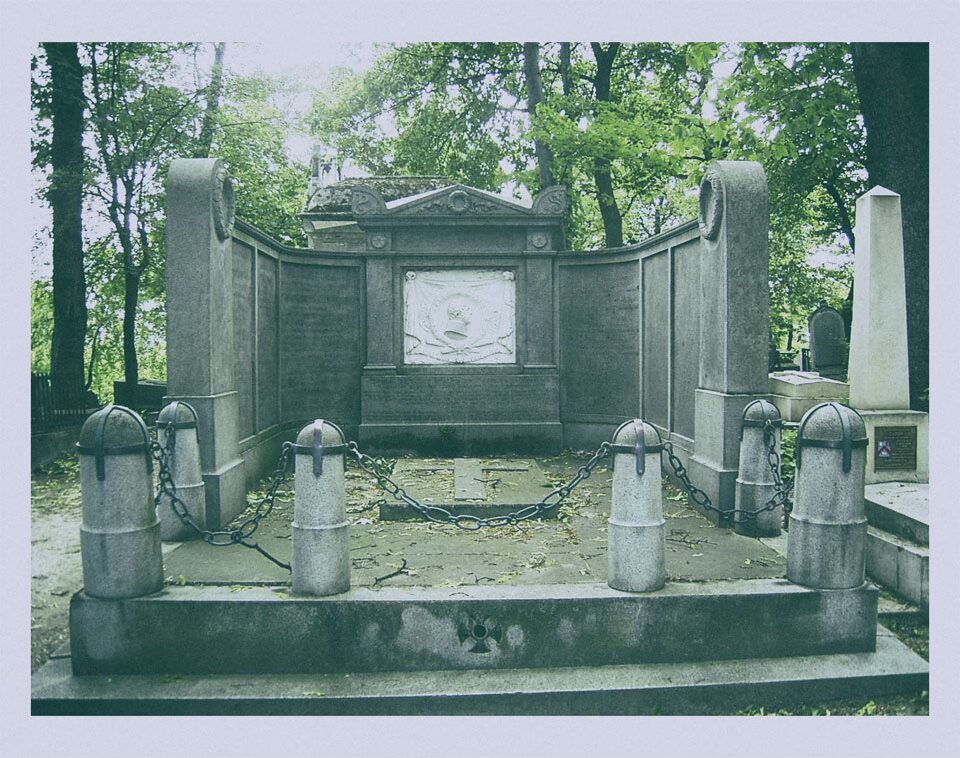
685,370
599,340
655,328
320,343
268,374
243,336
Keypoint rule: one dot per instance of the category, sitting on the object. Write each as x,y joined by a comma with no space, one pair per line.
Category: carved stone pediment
458,201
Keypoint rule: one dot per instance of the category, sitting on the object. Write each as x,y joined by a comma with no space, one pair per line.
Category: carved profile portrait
459,317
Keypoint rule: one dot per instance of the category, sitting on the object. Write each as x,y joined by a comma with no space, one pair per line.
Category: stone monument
461,314
878,375
734,319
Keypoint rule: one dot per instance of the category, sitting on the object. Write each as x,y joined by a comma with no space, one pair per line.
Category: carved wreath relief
224,205
459,317
711,204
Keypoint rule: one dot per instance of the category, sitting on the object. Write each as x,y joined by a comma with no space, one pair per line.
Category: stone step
901,508
652,688
899,565
254,630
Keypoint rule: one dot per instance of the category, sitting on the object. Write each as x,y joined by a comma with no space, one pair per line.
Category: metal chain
780,497
783,491
238,535
467,521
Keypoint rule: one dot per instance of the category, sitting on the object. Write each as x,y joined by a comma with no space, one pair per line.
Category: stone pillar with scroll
878,370
734,318
200,351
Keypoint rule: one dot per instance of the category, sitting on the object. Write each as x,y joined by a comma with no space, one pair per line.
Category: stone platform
509,620
898,538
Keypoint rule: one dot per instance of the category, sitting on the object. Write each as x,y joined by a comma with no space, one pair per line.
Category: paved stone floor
567,549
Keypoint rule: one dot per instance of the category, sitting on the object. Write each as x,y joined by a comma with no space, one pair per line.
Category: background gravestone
878,368
828,342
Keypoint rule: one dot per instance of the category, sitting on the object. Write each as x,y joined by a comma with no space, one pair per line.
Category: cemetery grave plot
567,549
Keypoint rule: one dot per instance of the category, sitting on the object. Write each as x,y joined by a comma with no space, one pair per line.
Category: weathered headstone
828,342
878,368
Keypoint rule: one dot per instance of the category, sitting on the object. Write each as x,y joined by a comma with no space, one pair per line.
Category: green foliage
41,325
458,110
146,102
250,135
427,108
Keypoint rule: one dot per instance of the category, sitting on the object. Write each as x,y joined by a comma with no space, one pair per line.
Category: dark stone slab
599,339
244,314
267,344
656,339
468,486
320,343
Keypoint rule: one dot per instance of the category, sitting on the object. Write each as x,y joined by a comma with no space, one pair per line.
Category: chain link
470,522
780,497
238,535
241,534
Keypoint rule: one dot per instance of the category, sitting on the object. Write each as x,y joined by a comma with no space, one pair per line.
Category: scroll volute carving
367,202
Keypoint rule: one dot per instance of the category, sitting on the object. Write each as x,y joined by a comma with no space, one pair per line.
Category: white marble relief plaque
461,316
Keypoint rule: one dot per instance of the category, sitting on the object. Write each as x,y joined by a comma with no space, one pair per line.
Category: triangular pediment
457,201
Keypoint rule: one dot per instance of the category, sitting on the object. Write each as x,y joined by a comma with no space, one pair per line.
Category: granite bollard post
828,525
636,550
179,419
321,550
755,483
120,532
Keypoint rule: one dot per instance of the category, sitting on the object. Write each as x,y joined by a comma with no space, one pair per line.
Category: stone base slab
900,565
226,494
181,630
796,392
719,484
901,508
651,688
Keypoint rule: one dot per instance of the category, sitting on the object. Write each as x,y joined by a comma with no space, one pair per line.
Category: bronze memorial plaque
895,448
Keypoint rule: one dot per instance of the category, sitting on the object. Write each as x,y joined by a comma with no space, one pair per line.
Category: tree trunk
131,292
566,78
65,195
205,140
531,70
893,82
612,222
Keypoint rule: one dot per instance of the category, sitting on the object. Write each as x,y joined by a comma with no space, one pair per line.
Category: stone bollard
755,483
828,526
120,532
321,550
635,539
183,461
